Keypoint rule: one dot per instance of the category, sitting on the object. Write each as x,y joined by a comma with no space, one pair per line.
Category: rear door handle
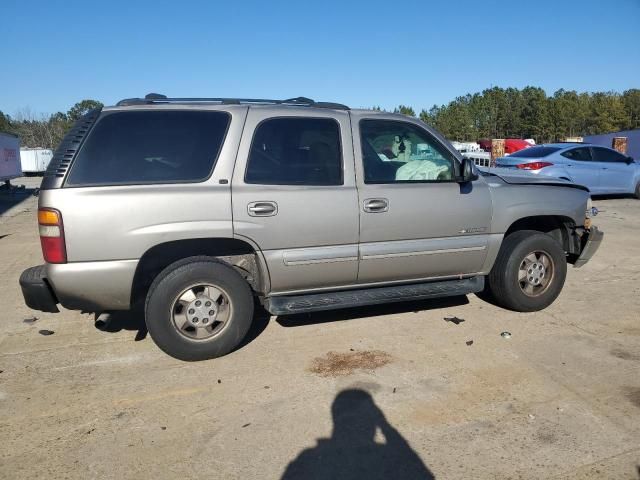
376,205
262,209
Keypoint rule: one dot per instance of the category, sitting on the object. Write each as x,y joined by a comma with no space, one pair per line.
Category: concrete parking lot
383,392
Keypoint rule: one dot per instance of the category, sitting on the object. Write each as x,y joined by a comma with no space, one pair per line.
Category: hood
525,178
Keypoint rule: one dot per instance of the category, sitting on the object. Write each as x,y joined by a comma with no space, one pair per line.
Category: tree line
530,113
44,131
493,113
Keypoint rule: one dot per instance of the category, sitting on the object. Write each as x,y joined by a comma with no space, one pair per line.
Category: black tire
180,276
503,283
637,192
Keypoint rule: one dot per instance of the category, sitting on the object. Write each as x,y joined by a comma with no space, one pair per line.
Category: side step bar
370,296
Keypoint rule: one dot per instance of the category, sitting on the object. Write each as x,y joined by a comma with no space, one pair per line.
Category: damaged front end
590,240
587,239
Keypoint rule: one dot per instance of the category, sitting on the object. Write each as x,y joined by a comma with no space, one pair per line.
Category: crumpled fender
529,179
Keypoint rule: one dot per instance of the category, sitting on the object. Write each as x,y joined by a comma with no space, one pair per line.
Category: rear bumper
89,286
591,240
93,286
36,290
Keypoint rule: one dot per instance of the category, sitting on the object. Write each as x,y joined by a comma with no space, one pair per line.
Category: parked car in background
602,170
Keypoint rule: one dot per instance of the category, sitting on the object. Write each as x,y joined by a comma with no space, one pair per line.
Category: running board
370,296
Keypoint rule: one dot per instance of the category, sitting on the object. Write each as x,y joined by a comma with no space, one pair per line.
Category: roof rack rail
156,98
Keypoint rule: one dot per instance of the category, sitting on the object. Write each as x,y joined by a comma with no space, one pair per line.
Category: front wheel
529,272
198,308
637,192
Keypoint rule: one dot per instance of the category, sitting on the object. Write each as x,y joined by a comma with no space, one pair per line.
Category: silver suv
192,208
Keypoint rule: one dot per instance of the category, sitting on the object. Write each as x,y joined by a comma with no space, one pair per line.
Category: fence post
497,150
620,144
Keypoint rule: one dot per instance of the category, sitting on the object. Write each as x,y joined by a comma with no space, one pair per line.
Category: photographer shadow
352,451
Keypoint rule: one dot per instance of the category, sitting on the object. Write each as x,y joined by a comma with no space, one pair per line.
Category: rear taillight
52,235
533,165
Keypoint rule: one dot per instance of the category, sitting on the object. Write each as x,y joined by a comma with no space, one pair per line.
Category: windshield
535,152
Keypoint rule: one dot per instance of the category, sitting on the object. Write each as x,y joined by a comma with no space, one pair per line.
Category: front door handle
262,209
376,205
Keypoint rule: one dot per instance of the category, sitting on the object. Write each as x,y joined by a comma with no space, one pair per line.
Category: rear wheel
198,309
529,272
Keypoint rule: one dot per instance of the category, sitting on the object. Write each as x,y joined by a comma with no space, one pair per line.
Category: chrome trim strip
423,252
423,246
327,260
315,255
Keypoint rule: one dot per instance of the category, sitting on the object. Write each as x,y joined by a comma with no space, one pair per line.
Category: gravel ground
391,391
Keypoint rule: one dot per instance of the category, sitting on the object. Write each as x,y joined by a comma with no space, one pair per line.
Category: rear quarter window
129,148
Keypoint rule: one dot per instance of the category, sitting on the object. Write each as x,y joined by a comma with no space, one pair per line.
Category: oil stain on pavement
335,364
633,394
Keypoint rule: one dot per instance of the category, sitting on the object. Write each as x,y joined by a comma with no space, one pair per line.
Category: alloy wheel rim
536,273
201,311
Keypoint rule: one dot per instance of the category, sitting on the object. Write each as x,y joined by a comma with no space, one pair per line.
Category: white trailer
463,147
9,157
35,160
480,158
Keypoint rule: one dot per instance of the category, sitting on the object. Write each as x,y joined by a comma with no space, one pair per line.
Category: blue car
602,170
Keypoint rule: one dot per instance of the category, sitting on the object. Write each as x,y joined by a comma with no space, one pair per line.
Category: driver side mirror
629,160
468,171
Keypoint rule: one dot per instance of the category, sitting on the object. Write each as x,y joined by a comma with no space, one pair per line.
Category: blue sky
55,53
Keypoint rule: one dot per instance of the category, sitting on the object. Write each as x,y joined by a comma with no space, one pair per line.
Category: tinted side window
126,148
582,154
606,155
401,152
296,151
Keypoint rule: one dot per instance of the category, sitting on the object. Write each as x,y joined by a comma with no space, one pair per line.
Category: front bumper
36,291
591,240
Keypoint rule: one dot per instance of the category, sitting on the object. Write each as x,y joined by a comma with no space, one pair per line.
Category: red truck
511,145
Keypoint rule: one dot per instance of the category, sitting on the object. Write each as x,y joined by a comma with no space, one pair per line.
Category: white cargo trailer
481,158
9,157
35,160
